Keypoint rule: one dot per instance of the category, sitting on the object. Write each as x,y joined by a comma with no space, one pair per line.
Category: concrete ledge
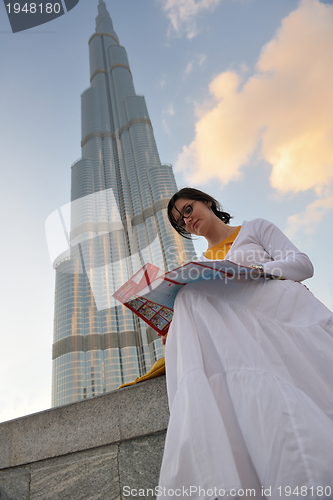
112,418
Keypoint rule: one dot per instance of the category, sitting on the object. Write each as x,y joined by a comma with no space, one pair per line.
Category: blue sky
239,94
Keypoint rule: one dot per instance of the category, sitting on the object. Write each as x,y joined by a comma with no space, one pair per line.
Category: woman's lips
195,224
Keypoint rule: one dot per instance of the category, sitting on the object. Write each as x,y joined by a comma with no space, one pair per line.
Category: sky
239,93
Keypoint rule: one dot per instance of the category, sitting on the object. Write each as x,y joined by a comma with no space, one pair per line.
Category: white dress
249,374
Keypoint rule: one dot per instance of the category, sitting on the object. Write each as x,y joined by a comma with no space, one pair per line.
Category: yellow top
156,370
219,251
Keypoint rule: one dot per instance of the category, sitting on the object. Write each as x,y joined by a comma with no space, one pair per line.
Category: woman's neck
221,232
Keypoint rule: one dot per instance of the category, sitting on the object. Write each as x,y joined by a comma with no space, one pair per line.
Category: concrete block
90,450
66,429
139,466
14,485
83,476
5,444
144,411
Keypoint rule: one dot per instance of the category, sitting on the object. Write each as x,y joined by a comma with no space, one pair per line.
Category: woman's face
201,219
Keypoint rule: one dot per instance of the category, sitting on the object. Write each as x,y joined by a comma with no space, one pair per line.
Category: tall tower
118,222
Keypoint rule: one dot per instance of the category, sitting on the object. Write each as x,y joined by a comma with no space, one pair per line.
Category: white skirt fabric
249,375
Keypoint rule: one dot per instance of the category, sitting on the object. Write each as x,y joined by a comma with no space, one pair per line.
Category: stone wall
104,448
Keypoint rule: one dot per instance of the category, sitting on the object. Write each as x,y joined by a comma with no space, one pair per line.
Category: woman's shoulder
258,222
258,226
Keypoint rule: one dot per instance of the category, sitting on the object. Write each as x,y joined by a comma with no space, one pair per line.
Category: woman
249,369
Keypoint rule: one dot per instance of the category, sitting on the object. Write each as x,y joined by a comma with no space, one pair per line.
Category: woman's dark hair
194,194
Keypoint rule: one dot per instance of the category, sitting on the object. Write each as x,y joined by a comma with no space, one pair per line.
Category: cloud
162,81
308,220
182,14
198,60
168,111
282,114
189,67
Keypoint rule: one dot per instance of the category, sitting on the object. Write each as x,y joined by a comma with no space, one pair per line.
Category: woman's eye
187,210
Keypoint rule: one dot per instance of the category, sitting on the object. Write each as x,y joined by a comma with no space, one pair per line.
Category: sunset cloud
182,14
282,114
308,220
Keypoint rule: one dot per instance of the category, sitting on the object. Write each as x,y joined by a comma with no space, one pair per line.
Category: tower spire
104,21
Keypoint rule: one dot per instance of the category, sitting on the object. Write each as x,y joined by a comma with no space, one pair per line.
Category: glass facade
118,222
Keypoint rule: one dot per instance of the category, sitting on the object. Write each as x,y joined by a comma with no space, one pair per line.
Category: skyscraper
118,222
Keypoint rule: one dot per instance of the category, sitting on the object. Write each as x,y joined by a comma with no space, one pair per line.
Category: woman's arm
287,261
